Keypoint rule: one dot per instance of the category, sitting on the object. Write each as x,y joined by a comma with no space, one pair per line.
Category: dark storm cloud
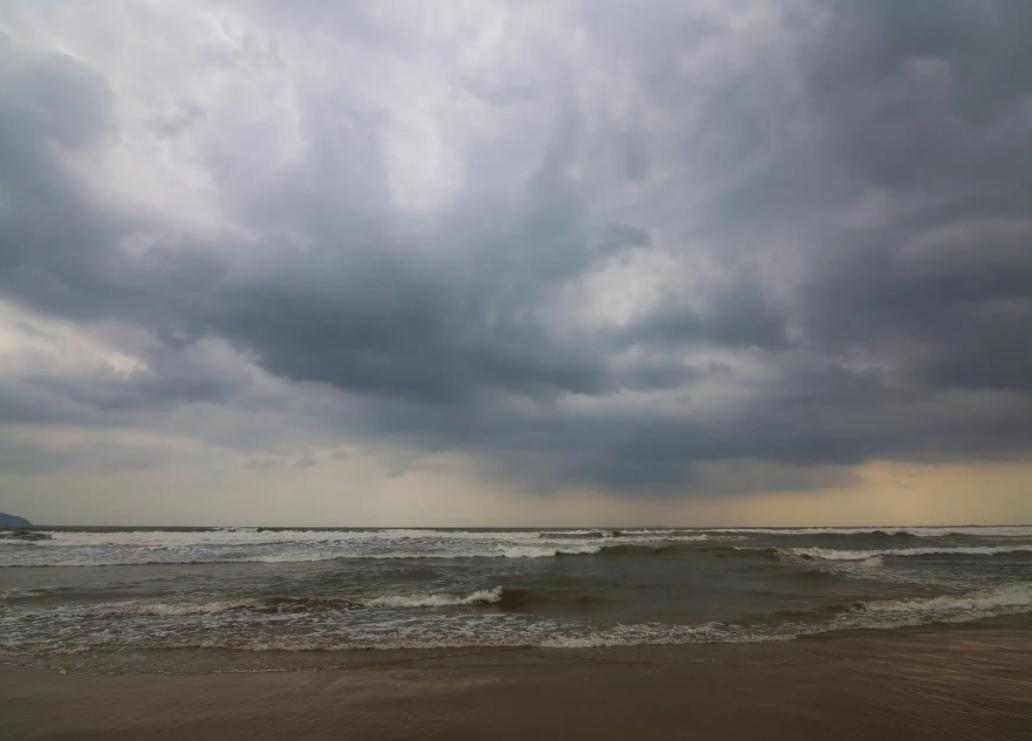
737,316
928,104
841,194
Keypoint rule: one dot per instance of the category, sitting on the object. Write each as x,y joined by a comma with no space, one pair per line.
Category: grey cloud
27,456
928,104
839,194
735,316
52,96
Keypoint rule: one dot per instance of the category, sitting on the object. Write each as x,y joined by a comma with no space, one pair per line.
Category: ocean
122,600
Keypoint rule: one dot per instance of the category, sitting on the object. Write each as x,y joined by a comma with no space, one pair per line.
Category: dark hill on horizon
7,520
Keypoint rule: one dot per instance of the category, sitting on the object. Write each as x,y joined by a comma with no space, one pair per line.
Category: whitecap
438,599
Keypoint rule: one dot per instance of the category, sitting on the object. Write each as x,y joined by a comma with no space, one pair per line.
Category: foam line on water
833,554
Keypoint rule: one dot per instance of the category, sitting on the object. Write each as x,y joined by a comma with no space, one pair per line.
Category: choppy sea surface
135,599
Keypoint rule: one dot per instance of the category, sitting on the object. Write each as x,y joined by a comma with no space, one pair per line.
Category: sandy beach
954,682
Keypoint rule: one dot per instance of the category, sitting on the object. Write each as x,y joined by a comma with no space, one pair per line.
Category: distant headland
7,520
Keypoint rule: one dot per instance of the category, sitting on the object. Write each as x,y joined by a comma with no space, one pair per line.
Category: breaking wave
478,630
984,531
832,554
967,605
150,608
173,609
439,599
289,553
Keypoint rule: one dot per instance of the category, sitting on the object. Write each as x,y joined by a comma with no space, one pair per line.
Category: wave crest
439,599
832,554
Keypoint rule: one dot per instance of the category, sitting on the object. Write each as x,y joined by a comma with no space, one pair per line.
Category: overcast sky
516,263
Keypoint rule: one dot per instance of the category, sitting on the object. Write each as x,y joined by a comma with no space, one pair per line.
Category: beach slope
954,682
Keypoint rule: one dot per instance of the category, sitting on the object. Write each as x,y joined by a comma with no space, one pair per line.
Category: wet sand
970,682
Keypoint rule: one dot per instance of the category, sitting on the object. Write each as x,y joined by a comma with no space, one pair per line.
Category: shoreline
972,681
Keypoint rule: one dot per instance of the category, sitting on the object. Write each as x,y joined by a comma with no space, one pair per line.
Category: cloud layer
583,245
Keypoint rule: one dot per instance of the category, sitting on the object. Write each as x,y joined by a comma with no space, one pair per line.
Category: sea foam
833,554
439,599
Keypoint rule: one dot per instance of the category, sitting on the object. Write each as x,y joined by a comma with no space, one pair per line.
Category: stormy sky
516,263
